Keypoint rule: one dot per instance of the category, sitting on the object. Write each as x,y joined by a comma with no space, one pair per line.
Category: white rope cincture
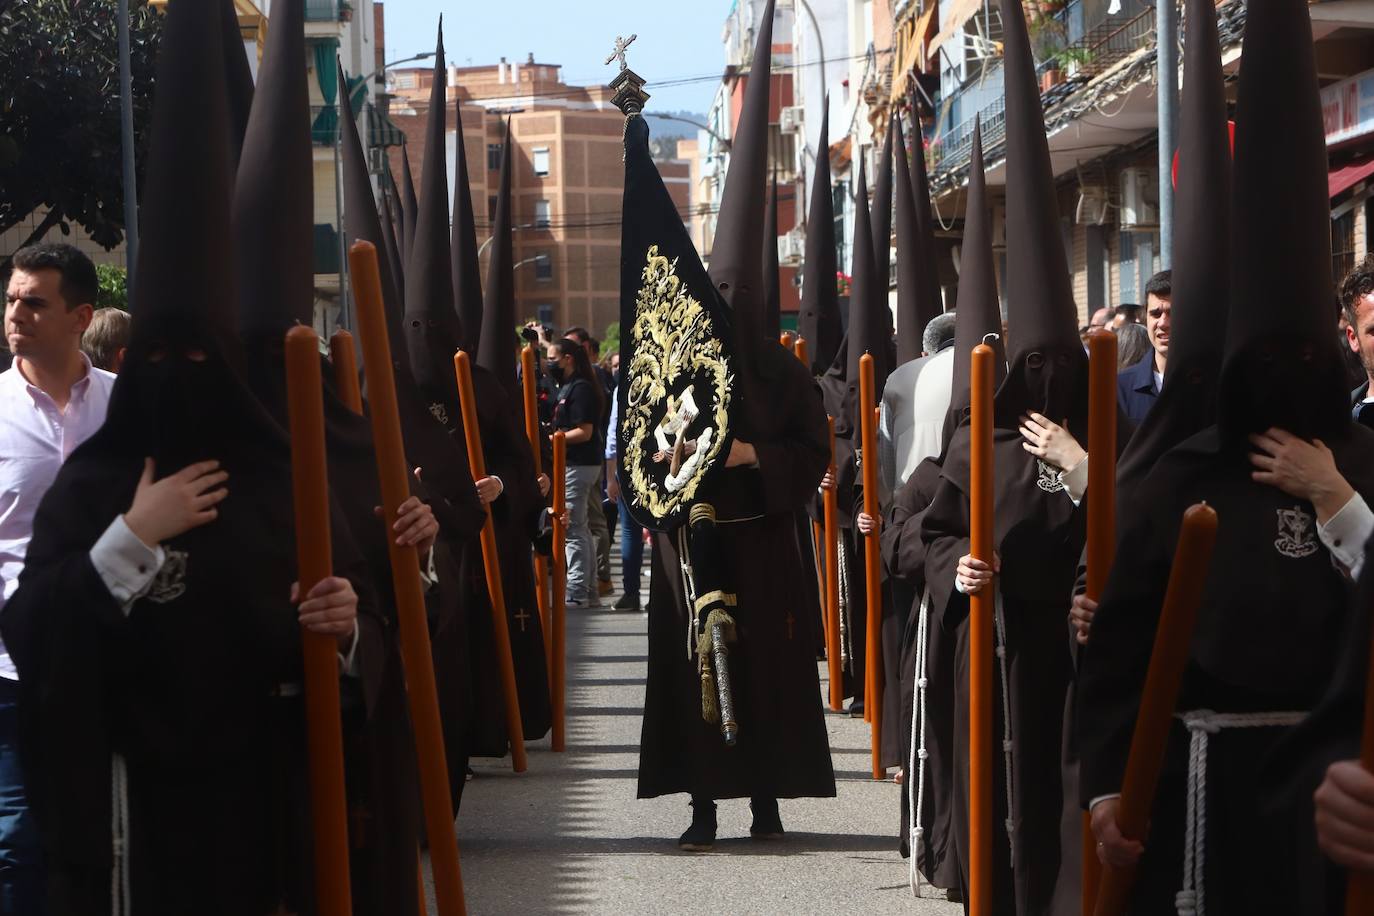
121,897
1202,723
1000,622
689,591
846,651
916,788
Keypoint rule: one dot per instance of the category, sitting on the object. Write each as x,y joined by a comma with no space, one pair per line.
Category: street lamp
722,141
347,112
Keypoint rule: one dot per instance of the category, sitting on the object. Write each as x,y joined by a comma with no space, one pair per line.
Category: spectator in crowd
1139,382
577,413
631,535
599,521
1124,314
106,339
1132,346
1099,320
51,400
1357,307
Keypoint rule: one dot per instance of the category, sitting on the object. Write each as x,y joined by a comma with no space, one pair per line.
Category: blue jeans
21,872
631,551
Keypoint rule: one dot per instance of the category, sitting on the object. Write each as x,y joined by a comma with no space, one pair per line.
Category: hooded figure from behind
163,677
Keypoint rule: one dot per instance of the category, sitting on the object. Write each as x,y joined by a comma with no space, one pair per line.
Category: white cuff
348,661
502,483
1346,532
1101,798
959,586
125,564
1075,480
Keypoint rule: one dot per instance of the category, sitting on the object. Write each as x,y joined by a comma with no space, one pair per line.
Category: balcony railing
326,10
324,123
952,150
1084,41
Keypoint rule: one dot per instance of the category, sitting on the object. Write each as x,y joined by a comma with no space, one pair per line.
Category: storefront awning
1350,174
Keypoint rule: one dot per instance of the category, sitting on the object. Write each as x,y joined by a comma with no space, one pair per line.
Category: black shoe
767,823
701,836
627,603
856,709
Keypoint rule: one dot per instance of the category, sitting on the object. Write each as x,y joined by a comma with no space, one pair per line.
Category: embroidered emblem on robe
1050,480
170,582
1297,533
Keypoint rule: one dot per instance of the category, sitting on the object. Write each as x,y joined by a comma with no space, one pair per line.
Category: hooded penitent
1202,259
868,316
407,197
238,77
467,276
433,334
880,217
819,322
178,682
496,352
918,277
772,309
391,248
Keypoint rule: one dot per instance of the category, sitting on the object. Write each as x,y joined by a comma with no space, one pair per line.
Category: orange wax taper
541,563
314,562
491,563
1359,886
344,359
981,657
394,478
873,681
558,672
1101,528
788,341
1158,699
833,650
799,348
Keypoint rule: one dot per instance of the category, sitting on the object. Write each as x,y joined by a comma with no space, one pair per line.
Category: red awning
1349,174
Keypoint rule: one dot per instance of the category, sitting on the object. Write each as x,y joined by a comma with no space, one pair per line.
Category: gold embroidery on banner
673,336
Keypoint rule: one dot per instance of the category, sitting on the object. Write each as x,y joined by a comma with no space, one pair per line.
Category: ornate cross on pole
619,54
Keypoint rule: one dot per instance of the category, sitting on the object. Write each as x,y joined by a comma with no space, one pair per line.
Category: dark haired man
1357,305
1137,387
51,400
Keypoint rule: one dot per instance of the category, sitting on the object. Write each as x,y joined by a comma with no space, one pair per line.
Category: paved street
569,836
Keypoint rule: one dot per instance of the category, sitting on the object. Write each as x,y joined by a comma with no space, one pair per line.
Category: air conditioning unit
1093,207
1139,199
791,247
791,119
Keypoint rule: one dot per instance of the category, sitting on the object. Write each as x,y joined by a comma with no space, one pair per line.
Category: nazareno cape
185,705
1280,369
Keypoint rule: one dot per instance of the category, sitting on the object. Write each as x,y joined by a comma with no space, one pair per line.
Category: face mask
555,371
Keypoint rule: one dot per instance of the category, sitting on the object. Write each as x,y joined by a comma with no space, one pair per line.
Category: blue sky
676,40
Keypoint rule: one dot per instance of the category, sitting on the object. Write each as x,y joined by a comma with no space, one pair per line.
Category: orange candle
799,348
981,652
541,564
492,565
1169,658
345,361
787,340
833,650
1101,526
314,562
394,477
558,672
873,690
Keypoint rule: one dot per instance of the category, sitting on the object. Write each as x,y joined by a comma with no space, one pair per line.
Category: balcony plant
345,11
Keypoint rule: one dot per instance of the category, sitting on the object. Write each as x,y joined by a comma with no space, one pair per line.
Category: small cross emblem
522,615
619,54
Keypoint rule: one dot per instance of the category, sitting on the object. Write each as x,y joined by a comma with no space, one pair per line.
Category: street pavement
568,836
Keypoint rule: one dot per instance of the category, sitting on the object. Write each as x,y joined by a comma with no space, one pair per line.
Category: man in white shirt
51,400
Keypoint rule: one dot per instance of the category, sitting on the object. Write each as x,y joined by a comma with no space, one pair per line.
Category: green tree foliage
60,111
610,341
114,287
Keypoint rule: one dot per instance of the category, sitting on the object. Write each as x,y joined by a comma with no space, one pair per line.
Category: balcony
1082,40
328,10
324,123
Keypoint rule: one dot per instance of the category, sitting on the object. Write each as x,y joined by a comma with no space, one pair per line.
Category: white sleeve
1075,481
1346,532
125,564
348,661
959,586
1101,798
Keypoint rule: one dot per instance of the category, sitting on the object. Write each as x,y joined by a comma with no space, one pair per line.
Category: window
541,214
1343,244
545,313
541,161
543,266
494,157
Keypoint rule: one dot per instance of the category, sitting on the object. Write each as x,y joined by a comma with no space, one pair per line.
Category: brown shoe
605,587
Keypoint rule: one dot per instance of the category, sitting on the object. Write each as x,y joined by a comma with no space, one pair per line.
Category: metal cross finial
619,54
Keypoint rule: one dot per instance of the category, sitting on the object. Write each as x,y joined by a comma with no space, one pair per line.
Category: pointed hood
409,205
391,248
1048,370
1281,367
867,306
880,212
274,203
432,330
238,77
737,252
467,276
1202,244
496,352
819,323
772,290
186,282
918,277
979,311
